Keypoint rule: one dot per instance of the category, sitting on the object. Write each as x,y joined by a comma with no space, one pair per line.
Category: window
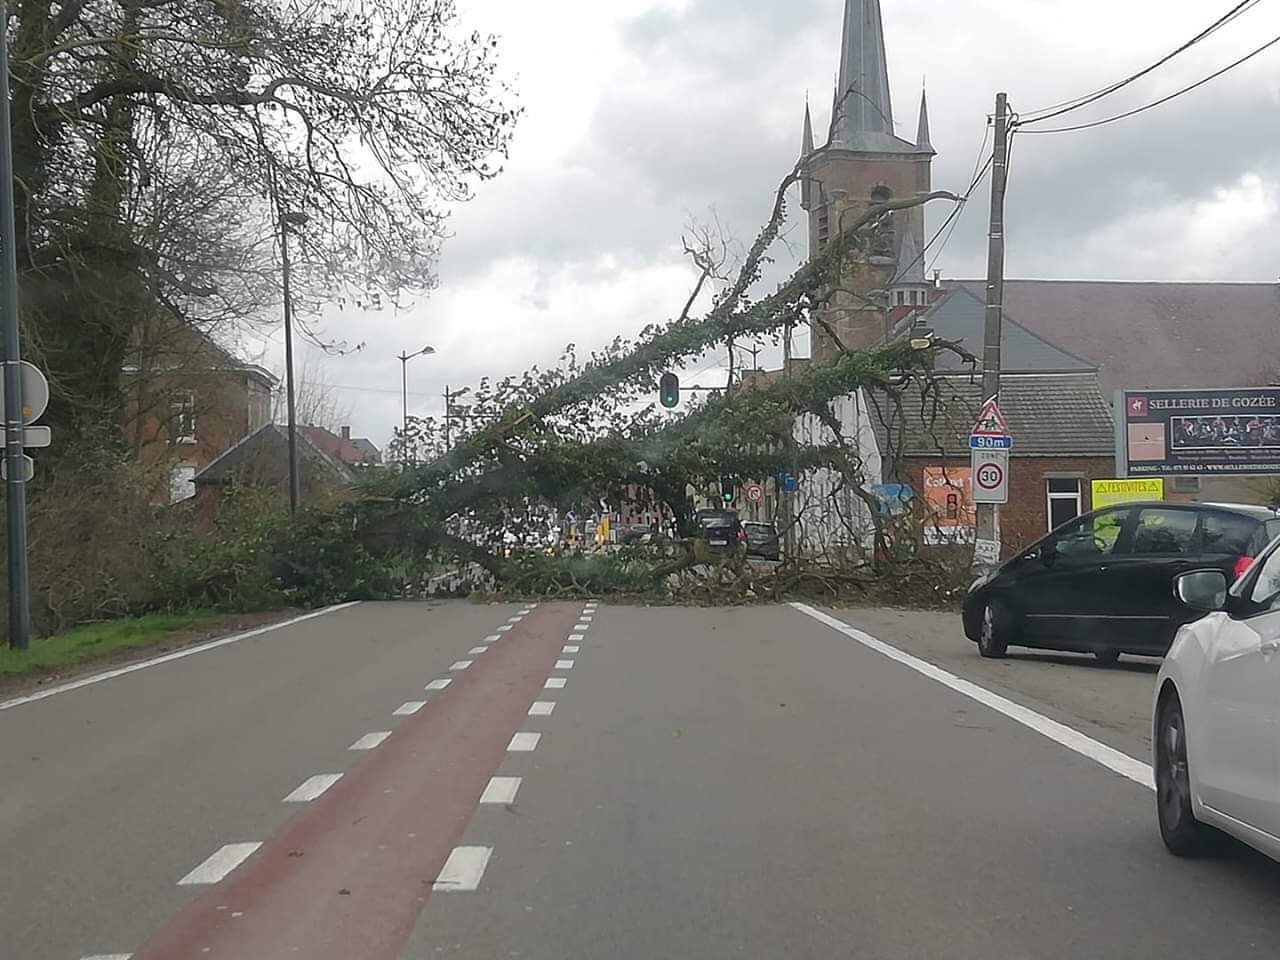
1166,531
902,298
184,417
1064,502
1186,484
1232,534
1091,537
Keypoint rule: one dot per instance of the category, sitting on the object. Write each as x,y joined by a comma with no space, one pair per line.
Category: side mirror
1204,590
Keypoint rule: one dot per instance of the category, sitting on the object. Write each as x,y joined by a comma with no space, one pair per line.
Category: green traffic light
669,391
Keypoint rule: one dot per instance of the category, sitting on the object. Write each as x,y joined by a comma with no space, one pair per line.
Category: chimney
346,433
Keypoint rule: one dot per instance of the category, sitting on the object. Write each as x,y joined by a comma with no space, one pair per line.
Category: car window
1092,536
1161,530
1266,589
1232,534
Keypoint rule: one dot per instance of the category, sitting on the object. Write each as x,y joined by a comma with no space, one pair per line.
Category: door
1060,593
1240,763
1144,612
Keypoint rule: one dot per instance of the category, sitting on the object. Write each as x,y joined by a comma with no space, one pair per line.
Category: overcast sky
643,113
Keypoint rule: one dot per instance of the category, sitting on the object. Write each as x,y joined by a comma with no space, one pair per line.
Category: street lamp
404,359
286,221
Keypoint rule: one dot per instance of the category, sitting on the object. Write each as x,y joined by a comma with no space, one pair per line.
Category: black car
1103,583
762,540
722,530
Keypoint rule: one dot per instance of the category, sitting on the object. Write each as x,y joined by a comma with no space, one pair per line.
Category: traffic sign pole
15,485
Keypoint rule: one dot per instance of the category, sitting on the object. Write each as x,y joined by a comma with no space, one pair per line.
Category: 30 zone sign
991,476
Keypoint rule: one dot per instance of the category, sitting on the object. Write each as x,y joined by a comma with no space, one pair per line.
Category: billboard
1212,432
948,501
1110,493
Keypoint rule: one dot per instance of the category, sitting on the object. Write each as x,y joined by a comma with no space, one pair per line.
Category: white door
1239,764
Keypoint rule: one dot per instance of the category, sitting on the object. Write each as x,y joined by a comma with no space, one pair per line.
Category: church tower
865,162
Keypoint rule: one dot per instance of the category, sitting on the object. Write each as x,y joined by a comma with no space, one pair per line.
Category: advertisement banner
1213,432
949,513
1109,493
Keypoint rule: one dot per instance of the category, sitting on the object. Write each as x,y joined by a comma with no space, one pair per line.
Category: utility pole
295,485
15,486
784,499
986,512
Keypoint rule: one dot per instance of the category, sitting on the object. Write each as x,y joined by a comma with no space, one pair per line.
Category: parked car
1217,699
1103,583
762,540
722,530
635,534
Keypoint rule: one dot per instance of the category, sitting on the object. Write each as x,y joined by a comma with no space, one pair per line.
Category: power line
1163,100
1057,110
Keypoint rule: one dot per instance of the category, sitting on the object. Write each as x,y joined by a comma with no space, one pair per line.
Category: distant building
261,460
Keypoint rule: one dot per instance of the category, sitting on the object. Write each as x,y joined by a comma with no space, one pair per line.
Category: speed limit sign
990,476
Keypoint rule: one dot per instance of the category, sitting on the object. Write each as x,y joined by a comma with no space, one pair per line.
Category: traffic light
669,390
727,493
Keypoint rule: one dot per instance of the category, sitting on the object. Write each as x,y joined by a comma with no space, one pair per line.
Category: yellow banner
1108,493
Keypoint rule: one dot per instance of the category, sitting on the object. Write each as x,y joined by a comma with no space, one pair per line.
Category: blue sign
990,443
893,499
788,483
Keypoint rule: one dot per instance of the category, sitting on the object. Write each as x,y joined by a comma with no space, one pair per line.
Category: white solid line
577,636
312,787
474,651
492,639
408,708
564,665
438,684
571,648
463,870
524,742
220,864
168,658
542,708
1060,733
554,683
370,740
501,790
582,626
461,664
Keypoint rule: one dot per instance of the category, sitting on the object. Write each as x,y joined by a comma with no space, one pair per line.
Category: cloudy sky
643,114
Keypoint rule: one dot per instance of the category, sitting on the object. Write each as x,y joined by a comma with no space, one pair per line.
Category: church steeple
867,111
922,134
806,145
806,151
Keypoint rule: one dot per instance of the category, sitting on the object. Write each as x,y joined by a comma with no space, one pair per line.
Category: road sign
1110,493
36,436
990,476
788,483
753,492
28,469
991,421
35,394
983,442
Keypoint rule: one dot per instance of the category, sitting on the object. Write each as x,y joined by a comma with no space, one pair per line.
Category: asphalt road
709,783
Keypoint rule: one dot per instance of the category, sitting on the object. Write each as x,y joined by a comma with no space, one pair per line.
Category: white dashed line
577,637
526,611
494,638
564,664
586,618
220,864
515,619
506,627
554,683
109,956
463,870
312,787
461,664
408,708
524,742
571,648
475,651
582,626
439,684
501,790
542,708
370,740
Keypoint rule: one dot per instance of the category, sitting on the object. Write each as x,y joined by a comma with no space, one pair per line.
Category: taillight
742,535
1243,566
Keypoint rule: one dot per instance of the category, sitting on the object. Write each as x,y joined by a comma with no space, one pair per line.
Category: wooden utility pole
986,513
785,502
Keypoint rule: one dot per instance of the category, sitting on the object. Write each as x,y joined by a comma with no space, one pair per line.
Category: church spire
806,145
922,135
864,69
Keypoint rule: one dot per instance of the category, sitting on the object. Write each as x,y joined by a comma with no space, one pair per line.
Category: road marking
582,626
564,664
439,684
220,864
571,648
526,611
370,740
474,651
586,618
554,683
463,870
1060,733
312,787
579,637
408,708
504,628
515,619
168,658
524,742
492,639
461,664
501,790
109,956
542,708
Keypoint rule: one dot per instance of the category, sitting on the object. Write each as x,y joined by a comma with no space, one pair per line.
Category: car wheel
1183,834
993,631
1107,656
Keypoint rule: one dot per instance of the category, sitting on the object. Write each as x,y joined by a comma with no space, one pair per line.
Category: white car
1216,735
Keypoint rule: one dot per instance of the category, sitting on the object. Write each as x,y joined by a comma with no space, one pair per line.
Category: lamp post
404,359
286,221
